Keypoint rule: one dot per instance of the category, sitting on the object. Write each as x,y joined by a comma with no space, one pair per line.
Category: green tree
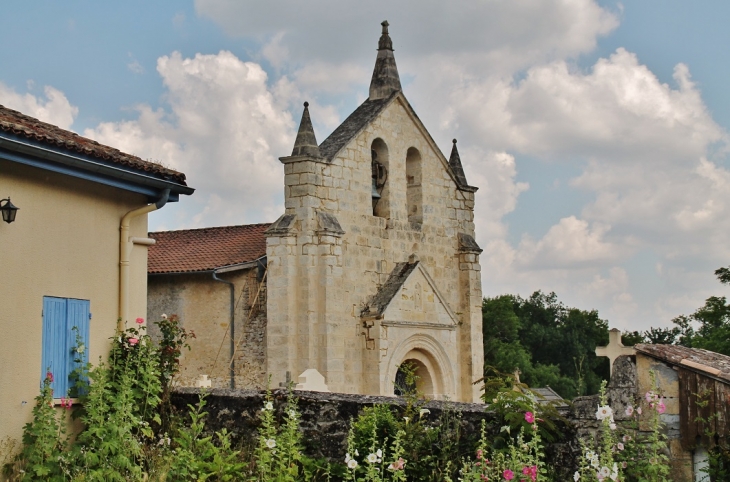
549,343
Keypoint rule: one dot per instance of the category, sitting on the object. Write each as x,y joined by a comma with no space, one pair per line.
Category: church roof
21,125
355,122
206,249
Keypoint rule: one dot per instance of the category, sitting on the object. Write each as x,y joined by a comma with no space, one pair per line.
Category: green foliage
43,441
279,451
196,457
550,344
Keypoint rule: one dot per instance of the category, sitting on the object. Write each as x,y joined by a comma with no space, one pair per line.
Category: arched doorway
431,363
421,381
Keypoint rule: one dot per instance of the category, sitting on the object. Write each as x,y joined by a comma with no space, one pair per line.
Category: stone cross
615,348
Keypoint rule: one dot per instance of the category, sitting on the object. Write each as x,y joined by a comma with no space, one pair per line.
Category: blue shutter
54,344
77,316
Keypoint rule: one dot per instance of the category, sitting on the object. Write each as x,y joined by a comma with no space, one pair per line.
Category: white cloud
224,129
570,243
53,107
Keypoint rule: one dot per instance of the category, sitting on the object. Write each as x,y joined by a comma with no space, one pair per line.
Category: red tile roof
20,124
205,249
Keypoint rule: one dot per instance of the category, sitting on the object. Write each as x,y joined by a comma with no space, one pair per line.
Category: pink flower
660,407
139,321
529,417
480,453
398,464
508,474
638,410
531,471
49,376
133,341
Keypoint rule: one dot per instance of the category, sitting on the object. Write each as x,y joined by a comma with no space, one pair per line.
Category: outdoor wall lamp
8,210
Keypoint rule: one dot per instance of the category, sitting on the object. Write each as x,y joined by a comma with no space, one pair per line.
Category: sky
596,130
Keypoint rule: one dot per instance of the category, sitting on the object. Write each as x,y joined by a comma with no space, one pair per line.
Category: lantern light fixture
8,210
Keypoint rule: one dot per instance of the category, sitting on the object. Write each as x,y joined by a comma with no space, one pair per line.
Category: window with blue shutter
60,316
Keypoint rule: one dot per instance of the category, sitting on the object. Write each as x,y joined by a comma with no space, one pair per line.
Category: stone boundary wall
325,419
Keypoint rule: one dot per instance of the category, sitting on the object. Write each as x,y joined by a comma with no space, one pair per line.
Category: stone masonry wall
203,307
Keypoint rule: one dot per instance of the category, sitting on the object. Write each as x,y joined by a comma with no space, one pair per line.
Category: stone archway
432,367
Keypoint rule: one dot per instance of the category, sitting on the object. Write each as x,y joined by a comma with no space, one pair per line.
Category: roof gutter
64,162
126,243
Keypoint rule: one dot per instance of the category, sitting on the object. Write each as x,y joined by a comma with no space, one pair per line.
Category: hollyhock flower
164,316
133,341
660,407
612,426
269,406
69,403
508,474
80,349
372,458
398,464
352,464
620,446
629,411
576,476
604,472
139,321
49,376
626,438
423,412
638,410
271,443
529,417
604,412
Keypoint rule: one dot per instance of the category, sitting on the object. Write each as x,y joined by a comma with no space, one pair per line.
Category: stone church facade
373,263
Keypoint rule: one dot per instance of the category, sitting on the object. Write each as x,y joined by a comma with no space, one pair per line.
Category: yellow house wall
64,243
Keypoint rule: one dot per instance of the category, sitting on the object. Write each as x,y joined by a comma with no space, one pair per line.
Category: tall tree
549,343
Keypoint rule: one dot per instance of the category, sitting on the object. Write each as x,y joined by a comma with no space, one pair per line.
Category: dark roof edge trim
223,269
51,159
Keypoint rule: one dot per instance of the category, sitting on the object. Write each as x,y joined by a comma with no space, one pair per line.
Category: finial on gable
385,79
456,167
385,43
306,143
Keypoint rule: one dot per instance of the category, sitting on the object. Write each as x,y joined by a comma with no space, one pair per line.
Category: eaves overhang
42,156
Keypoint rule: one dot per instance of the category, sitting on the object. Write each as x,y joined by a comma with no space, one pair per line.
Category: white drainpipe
126,243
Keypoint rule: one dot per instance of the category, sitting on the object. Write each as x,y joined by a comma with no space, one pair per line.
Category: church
372,265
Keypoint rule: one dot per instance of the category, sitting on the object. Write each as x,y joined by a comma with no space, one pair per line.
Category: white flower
379,453
80,349
164,316
351,464
357,454
629,411
372,458
347,458
594,462
271,443
407,419
612,426
269,406
620,446
576,476
604,471
423,411
293,413
614,472
604,412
